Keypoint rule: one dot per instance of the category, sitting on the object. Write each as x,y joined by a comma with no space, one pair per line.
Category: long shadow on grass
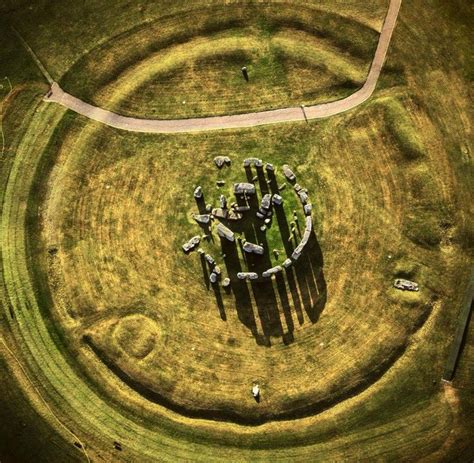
267,306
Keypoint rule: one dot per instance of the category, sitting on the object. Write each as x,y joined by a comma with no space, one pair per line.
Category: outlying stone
191,244
226,282
247,276
221,161
288,173
269,167
225,232
244,188
406,285
220,182
253,248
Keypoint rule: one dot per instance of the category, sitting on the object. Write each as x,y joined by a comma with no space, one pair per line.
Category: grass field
109,333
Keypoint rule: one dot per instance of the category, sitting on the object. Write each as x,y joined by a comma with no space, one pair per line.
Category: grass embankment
295,54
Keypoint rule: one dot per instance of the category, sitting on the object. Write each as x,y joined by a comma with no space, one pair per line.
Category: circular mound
136,335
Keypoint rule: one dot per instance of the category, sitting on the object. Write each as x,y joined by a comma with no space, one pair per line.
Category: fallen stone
191,244
225,232
406,285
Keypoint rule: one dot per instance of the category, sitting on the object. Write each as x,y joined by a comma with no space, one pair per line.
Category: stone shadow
270,307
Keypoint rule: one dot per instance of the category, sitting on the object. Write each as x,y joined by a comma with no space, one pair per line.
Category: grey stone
272,271
303,197
191,244
406,285
253,248
219,213
308,208
252,161
221,161
288,173
202,218
287,263
226,282
277,200
209,259
225,232
213,278
244,188
247,276
223,202
198,192
269,167
266,201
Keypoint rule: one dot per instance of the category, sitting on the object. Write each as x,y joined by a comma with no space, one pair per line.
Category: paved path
318,111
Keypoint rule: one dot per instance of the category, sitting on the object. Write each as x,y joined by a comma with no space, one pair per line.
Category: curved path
57,95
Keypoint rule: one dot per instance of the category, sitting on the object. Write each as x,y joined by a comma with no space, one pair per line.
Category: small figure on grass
245,73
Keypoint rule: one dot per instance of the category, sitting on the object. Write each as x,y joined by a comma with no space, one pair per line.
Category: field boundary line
252,119
43,70
83,448
463,322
